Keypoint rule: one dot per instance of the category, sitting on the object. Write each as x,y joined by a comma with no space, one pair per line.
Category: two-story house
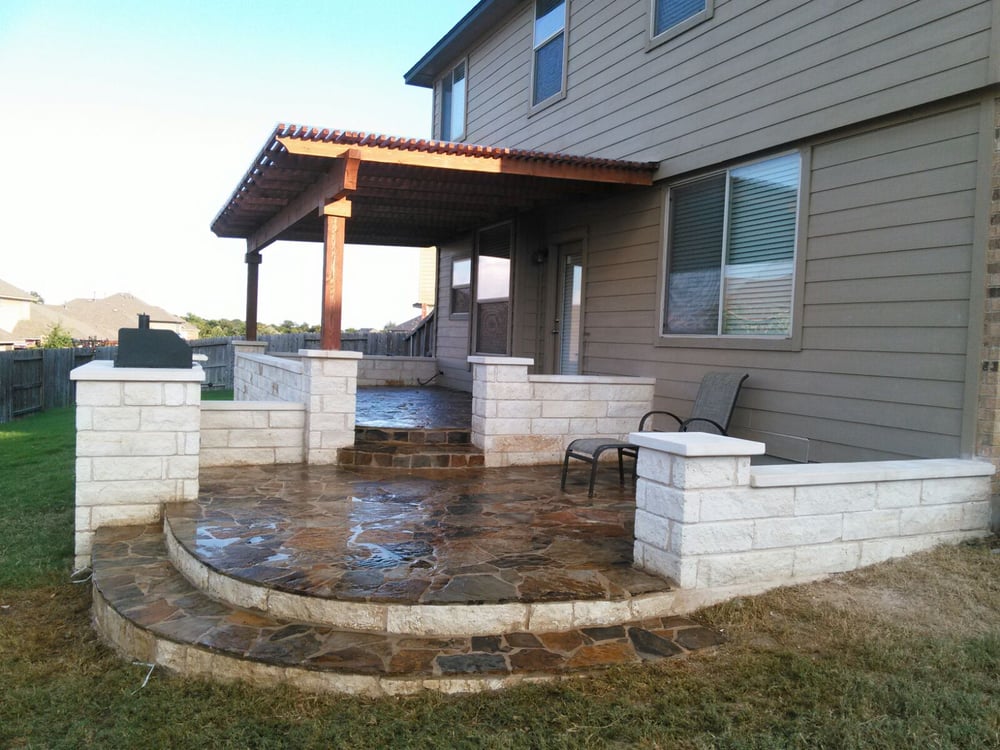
820,216
802,190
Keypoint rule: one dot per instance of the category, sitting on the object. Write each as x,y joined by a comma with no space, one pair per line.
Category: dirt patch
953,590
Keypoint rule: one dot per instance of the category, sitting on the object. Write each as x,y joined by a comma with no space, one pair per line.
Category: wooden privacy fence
37,379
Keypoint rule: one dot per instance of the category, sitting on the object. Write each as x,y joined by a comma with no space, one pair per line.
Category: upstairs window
731,246
548,78
453,104
671,17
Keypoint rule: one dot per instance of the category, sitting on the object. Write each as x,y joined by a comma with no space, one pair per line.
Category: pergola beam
339,181
485,163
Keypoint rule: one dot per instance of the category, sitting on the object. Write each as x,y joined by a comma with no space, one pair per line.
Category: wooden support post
253,260
333,276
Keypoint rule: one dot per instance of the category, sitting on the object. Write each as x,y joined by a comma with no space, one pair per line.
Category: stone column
499,385
678,472
137,445
330,380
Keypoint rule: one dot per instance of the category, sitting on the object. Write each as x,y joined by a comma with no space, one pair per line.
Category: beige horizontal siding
754,76
882,364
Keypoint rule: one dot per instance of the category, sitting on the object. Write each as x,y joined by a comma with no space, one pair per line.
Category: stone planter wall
236,433
521,419
324,383
396,371
261,377
708,520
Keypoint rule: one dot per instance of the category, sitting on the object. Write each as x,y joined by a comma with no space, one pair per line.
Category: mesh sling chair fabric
711,412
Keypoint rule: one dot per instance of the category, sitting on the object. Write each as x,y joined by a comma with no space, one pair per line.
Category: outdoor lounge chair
712,410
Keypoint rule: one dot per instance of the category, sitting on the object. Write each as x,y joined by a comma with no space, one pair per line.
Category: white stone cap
104,369
398,358
289,362
592,379
259,344
329,354
484,360
786,475
696,444
199,357
252,406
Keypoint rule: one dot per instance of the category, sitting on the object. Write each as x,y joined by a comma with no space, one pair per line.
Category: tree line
212,328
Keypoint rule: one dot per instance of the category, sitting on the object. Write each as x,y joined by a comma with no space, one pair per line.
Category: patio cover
338,187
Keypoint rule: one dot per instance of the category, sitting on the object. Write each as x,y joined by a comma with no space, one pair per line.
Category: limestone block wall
325,383
521,419
375,370
261,377
236,433
137,445
708,520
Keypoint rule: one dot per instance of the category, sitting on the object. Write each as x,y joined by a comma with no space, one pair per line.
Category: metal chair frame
590,449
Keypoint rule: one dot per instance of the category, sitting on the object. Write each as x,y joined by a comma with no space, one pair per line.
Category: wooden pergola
338,187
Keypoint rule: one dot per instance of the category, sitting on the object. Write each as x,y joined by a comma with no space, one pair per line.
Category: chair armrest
647,415
687,422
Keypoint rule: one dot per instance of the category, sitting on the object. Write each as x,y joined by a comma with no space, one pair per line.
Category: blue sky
128,124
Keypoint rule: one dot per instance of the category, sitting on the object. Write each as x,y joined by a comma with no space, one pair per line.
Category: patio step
414,448
469,604
146,609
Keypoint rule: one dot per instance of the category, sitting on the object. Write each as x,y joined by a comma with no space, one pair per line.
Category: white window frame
678,28
536,46
792,341
450,76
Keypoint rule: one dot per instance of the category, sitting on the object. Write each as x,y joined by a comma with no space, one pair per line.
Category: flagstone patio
384,580
380,582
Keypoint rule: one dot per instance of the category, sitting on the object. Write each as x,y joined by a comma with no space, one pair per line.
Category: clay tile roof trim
352,138
270,154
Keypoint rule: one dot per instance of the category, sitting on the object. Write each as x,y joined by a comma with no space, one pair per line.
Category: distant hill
24,321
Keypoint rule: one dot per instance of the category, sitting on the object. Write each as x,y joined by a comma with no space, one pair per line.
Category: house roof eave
478,21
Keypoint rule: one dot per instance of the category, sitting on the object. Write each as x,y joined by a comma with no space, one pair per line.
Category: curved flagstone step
470,616
410,554
146,609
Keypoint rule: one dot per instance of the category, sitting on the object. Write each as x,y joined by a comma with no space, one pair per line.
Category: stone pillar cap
329,354
696,444
104,369
485,360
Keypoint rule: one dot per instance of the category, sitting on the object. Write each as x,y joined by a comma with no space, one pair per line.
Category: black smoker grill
148,347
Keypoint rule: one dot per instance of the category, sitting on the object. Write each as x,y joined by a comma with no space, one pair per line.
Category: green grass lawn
902,655
217,394
36,498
